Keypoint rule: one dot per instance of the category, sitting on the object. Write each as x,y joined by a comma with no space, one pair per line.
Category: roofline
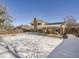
55,23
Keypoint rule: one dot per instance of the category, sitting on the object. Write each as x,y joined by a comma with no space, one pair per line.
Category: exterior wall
37,25
50,29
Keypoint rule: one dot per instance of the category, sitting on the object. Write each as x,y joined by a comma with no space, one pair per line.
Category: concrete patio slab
69,48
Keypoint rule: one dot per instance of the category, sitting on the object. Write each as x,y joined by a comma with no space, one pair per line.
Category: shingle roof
55,23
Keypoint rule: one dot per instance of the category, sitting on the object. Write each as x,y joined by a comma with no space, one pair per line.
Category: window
39,23
32,24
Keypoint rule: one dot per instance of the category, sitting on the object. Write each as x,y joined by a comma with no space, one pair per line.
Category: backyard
27,45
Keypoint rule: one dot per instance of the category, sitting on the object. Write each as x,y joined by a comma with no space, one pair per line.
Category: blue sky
49,10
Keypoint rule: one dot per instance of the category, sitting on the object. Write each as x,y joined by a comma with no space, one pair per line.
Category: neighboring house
74,29
24,28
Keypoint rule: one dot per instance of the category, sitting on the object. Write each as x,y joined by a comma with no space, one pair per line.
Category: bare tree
5,18
69,21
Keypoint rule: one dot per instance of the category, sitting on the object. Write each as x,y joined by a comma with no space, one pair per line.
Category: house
55,28
37,25
50,28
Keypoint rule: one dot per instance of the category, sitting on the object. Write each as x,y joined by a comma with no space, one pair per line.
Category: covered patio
54,29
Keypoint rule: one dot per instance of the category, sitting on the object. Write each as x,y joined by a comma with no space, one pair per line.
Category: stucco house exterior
50,28
38,25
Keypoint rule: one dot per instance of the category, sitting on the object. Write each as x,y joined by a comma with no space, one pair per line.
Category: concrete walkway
69,48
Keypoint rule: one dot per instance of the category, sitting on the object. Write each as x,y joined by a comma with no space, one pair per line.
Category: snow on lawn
27,45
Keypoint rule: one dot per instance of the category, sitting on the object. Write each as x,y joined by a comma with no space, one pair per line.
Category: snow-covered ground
27,45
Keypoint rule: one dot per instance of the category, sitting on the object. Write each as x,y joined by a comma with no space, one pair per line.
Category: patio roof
55,23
